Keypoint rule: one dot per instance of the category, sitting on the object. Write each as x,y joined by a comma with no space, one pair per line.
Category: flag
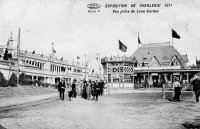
139,42
42,55
53,50
122,47
92,71
61,59
78,57
175,35
26,51
33,52
18,44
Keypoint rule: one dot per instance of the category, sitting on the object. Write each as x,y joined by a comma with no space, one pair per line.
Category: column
144,76
171,75
181,76
165,77
187,74
159,77
32,78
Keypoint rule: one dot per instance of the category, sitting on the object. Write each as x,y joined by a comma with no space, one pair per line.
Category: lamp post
148,55
148,77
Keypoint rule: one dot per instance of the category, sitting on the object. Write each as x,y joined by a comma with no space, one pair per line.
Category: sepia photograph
107,64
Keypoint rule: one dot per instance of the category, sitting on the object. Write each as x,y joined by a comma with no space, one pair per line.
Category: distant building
44,68
152,63
197,63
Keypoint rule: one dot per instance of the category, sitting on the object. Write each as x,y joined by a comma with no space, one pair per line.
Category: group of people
71,92
93,88
195,82
88,89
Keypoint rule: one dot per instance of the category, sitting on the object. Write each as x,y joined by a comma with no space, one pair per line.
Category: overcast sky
76,32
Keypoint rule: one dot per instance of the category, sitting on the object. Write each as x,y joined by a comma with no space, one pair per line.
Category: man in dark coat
84,94
61,89
196,86
74,89
101,87
97,88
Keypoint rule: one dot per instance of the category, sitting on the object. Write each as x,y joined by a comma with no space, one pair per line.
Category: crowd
95,89
88,89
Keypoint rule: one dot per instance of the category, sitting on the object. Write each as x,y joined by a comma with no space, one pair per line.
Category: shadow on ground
192,125
1,127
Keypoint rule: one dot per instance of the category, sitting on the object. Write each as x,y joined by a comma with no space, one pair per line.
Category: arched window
144,58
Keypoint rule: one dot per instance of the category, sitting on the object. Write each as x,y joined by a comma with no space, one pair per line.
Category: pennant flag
175,35
122,47
139,42
61,59
33,52
26,51
53,50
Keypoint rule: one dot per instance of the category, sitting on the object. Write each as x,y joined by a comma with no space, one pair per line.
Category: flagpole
118,48
18,52
85,66
123,72
172,38
119,63
138,38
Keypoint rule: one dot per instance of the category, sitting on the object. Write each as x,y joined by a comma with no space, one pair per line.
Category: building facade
44,68
153,63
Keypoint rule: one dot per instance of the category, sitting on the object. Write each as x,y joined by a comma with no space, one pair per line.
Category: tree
13,80
22,79
3,81
5,57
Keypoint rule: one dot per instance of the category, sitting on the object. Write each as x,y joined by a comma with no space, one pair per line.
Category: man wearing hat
61,89
195,81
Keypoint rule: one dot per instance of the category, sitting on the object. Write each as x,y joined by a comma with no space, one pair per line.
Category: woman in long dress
88,89
177,89
84,94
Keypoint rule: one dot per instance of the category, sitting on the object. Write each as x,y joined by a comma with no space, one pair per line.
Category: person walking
96,90
88,89
74,89
61,89
195,82
177,89
92,89
101,87
70,92
84,94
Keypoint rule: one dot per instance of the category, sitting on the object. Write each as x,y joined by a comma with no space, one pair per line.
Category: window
144,58
135,65
164,58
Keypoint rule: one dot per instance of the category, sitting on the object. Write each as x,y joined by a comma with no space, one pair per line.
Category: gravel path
120,111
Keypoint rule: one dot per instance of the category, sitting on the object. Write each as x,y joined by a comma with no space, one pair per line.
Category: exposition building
43,68
148,65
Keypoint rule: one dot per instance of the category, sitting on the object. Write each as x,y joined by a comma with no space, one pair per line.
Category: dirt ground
119,111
